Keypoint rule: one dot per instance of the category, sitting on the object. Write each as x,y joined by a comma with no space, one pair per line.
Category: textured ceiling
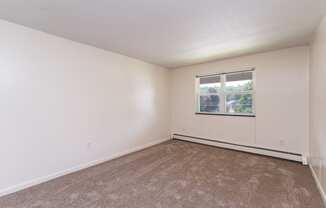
173,33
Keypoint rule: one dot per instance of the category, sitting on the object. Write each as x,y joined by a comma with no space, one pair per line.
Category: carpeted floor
178,174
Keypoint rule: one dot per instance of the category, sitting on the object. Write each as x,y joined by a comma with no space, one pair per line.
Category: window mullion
223,98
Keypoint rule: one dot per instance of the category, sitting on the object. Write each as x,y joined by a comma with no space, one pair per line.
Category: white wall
281,102
318,105
64,104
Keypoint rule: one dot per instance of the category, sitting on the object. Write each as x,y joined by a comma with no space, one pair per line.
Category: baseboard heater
246,148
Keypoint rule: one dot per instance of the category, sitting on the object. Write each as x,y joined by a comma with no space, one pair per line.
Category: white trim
43,179
245,149
245,69
304,160
318,183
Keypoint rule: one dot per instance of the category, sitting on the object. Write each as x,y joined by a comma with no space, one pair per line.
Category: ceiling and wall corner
173,33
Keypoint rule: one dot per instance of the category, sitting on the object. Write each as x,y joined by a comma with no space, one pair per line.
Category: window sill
222,114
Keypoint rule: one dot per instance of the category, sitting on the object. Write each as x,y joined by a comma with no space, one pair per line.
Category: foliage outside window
231,93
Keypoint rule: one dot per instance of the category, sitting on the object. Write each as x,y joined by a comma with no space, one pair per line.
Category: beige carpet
178,174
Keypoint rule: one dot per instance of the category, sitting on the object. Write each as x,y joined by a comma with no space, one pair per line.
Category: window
227,94
210,89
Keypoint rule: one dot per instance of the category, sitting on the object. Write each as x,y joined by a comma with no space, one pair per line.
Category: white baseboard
43,179
318,183
304,160
297,158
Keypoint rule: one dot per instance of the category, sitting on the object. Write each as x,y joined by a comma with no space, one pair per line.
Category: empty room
163,104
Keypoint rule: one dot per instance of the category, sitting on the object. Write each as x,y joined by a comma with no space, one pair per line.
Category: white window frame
222,94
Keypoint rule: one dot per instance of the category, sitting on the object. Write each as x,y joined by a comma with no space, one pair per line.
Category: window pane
239,103
209,103
239,82
210,84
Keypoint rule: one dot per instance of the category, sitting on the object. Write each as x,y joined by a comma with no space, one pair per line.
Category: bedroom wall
65,106
281,120
318,106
